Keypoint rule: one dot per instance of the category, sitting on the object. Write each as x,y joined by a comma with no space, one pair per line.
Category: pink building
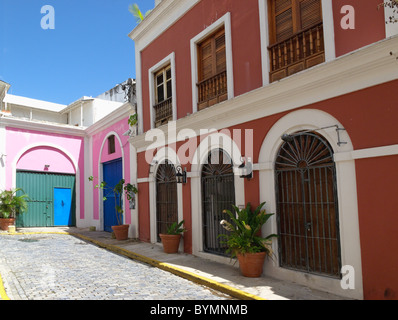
50,151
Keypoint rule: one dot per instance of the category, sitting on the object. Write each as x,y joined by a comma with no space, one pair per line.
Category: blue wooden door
62,207
112,173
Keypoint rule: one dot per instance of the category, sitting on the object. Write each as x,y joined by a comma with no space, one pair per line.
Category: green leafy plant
136,12
176,228
12,204
132,120
120,188
245,231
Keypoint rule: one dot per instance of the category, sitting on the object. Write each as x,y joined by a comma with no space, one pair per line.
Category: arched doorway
218,193
166,197
307,208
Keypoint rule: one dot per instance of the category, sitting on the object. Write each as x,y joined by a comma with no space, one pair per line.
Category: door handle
308,226
62,203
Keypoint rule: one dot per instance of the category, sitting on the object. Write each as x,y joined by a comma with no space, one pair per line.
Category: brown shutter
212,58
310,13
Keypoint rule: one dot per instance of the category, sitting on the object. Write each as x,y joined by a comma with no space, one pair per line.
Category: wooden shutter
289,17
310,13
212,57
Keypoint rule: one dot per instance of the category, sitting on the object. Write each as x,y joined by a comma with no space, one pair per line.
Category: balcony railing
301,51
163,112
212,90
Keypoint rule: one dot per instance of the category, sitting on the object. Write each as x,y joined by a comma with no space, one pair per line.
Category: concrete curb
3,294
233,292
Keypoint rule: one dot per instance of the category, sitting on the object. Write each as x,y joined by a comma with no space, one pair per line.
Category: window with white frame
163,107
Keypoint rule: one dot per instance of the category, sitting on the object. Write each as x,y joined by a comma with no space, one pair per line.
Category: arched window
218,193
166,197
307,209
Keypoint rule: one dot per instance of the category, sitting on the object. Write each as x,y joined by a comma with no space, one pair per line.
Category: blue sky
87,53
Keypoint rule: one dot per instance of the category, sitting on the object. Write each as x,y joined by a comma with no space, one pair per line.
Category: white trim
346,193
211,142
170,59
328,35
101,177
225,21
264,39
358,70
375,152
391,28
328,30
163,154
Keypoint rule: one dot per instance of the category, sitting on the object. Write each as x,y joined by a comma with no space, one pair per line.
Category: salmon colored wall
369,25
143,212
369,116
378,220
245,46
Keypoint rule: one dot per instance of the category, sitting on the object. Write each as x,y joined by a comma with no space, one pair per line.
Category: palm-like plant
136,12
12,204
245,231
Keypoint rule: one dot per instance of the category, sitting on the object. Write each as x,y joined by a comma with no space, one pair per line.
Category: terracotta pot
251,264
4,223
170,242
121,232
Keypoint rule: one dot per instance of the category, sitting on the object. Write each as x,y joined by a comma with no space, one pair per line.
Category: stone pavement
221,277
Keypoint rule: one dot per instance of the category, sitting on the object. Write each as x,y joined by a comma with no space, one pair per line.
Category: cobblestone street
63,267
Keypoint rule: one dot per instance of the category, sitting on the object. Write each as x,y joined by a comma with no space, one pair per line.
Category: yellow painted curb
3,294
236,293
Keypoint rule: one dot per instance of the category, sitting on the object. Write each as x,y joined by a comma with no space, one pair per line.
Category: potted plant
244,239
171,240
11,205
120,230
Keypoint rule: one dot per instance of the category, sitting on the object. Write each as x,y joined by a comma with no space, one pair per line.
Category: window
163,96
212,70
296,36
111,144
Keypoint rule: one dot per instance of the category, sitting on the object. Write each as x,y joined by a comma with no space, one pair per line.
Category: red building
231,78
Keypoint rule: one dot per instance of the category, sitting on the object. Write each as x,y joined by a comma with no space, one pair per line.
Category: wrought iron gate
307,210
218,193
166,197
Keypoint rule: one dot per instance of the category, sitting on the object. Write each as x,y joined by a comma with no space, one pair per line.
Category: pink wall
36,159
32,150
101,156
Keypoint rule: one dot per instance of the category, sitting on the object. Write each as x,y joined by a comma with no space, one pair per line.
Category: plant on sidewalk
176,228
120,188
12,204
245,231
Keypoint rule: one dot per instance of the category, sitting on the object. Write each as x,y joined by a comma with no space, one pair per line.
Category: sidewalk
221,277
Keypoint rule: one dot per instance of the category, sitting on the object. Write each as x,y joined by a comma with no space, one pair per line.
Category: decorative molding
361,69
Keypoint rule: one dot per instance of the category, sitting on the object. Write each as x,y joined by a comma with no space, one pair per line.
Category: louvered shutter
212,58
310,13
292,16
283,13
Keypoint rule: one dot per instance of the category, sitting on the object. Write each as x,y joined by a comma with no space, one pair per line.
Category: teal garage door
51,199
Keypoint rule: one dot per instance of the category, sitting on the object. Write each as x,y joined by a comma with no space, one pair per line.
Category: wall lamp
152,166
246,168
289,137
181,175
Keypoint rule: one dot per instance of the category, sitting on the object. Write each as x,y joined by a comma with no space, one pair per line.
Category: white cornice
42,126
164,15
115,116
361,69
